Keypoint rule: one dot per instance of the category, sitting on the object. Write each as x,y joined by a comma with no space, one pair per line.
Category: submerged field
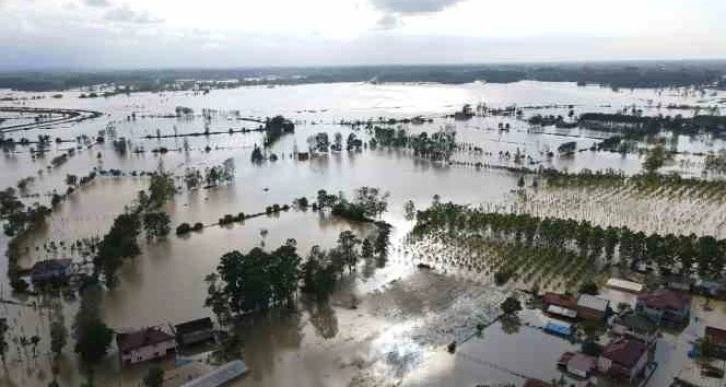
385,324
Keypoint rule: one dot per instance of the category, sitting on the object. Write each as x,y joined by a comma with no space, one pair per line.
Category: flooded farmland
385,323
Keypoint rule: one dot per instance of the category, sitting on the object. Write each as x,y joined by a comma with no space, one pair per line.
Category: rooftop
592,302
663,298
582,362
625,285
563,300
141,338
716,335
194,326
624,352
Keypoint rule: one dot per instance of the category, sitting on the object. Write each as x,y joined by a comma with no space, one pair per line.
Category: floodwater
403,317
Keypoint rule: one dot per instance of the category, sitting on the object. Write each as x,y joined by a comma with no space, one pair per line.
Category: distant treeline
616,75
650,125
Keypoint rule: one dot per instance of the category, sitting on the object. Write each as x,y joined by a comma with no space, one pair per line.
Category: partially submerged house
194,332
51,271
581,365
716,337
146,344
591,307
636,326
665,306
623,359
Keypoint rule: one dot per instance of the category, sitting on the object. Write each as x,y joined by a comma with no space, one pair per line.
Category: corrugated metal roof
592,302
220,376
625,285
554,309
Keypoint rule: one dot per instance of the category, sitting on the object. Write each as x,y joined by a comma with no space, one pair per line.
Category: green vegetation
511,306
93,337
154,377
537,250
438,146
368,203
275,128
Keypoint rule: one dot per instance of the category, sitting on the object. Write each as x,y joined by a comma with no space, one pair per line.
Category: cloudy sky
241,33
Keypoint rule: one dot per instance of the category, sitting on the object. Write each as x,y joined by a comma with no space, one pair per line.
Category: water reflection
323,318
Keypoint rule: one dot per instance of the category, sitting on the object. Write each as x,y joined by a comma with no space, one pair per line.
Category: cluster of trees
715,162
369,202
637,126
683,253
186,228
18,221
93,337
550,120
567,148
121,241
212,176
275,128
259,280
437,146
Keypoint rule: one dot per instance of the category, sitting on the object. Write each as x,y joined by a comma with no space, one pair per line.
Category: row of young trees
671,253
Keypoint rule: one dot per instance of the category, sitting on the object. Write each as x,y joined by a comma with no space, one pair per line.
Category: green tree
157,224
93,337
347,245
654,159
511,306
3,339
154,377
161,189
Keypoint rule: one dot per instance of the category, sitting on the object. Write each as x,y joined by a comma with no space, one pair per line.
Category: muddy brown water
404,316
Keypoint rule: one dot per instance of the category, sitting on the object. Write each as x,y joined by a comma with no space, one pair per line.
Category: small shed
558,310
627,286
558,328
221,376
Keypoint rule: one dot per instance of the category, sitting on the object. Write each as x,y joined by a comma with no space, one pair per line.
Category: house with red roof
623,359
146,344
665,307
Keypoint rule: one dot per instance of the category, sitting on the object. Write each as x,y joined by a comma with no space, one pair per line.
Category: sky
120,34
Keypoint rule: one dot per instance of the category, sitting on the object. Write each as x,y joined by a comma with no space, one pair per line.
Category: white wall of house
639,365
148,352
603,364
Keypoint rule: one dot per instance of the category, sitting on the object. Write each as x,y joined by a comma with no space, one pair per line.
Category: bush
501,277
19,285
183,229
276,207
589,288
229,218
240,217
268,209
198,226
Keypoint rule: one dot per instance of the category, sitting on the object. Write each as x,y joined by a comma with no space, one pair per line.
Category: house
52,270
636,326
565,358
717,338
679,283
195,331
591,307
146,344
562,300
623,359
626,286
665,306
581,365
